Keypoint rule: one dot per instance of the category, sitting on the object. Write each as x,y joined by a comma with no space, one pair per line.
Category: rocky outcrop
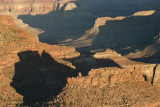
107,77
121,85
15,41
108,87
70,6
107,53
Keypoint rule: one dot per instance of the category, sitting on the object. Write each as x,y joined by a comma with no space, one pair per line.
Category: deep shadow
130,34
85,63
145,77
39,78
61,25
124,36
113,8
154,72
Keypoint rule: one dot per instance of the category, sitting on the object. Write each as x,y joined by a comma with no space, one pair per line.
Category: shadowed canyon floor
96,28
33,73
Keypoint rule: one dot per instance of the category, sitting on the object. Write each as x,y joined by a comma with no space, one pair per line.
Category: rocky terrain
122,83
118,64
19,7
18,49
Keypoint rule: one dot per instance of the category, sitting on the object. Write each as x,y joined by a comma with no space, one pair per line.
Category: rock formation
122,94
147,70
14,40
107,77
89,38
106,54
33,7
148,51
70,6
130,77
33,73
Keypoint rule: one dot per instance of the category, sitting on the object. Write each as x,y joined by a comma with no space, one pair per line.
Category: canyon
67,53
33,7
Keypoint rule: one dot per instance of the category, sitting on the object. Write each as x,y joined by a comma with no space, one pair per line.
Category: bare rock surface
70,6
18,46
118,90
126,85
148,70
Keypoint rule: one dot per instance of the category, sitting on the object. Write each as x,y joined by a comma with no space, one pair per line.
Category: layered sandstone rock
107,77
19,7
148,70
109,87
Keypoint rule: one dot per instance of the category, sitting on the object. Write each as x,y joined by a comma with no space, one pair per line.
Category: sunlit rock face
33,7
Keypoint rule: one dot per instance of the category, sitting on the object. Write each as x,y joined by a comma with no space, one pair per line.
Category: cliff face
31,6
125,83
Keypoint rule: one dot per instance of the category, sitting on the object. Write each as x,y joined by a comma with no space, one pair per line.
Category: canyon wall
31,7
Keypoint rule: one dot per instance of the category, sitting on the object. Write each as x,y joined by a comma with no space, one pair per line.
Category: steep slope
96,38
20,51
88,38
